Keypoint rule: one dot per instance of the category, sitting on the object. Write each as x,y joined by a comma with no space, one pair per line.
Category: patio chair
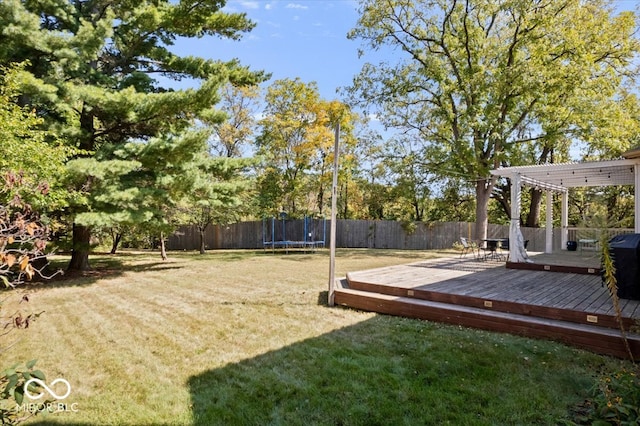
467,246
504,248
486,249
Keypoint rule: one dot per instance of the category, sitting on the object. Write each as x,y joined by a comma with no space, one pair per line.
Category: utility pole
334,208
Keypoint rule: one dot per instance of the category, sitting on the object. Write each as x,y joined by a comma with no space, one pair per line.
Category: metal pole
334,209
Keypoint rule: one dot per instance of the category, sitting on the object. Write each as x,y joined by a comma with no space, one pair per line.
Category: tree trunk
80,251
82,234
163,249
116,240
483,194
418,211
345,196
201,232
533,218
502,194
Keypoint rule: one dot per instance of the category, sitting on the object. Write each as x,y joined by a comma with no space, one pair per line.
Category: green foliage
12,387
27,150
455,203
616,203
240,105
488,84
140,183
216,194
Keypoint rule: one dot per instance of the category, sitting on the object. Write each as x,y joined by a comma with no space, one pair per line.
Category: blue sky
299,38
303,38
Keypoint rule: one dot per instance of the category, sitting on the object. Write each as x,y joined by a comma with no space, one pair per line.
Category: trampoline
305,234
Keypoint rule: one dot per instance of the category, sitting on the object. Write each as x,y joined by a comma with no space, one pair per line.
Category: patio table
590,244
492,246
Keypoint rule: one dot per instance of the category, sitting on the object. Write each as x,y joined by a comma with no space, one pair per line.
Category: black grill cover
626,258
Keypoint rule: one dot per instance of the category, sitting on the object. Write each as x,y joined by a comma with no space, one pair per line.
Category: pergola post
517,253
564,222
515,214
548,247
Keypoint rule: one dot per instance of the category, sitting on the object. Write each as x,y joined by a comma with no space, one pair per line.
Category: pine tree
91,76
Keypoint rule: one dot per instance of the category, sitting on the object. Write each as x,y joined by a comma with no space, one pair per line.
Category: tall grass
237,337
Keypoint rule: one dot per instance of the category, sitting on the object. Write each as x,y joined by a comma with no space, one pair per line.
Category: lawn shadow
365,374
323,298
315,381
102,267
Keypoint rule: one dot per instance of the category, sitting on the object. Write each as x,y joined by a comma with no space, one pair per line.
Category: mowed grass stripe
100,371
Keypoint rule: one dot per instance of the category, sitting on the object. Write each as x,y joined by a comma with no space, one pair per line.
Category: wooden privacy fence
351,234
361,234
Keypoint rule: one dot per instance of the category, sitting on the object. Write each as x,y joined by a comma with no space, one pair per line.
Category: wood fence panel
354,233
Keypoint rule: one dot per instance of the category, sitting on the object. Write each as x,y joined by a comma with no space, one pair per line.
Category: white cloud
296,6
250,4
373,117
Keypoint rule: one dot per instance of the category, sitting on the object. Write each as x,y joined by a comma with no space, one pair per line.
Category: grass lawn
238,337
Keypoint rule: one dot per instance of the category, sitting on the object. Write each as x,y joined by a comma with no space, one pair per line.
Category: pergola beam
575,175
542,185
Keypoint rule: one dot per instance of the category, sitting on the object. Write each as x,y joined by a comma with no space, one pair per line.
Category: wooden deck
569,307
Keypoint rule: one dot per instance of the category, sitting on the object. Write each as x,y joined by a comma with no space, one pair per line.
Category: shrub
23,239
12,385
615,400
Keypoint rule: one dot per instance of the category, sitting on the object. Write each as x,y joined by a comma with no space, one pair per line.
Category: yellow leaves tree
240,104
296,144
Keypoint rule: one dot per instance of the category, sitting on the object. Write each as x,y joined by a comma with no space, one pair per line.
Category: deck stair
580,325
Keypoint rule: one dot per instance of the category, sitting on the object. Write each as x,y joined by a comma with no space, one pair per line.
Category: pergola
559,178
